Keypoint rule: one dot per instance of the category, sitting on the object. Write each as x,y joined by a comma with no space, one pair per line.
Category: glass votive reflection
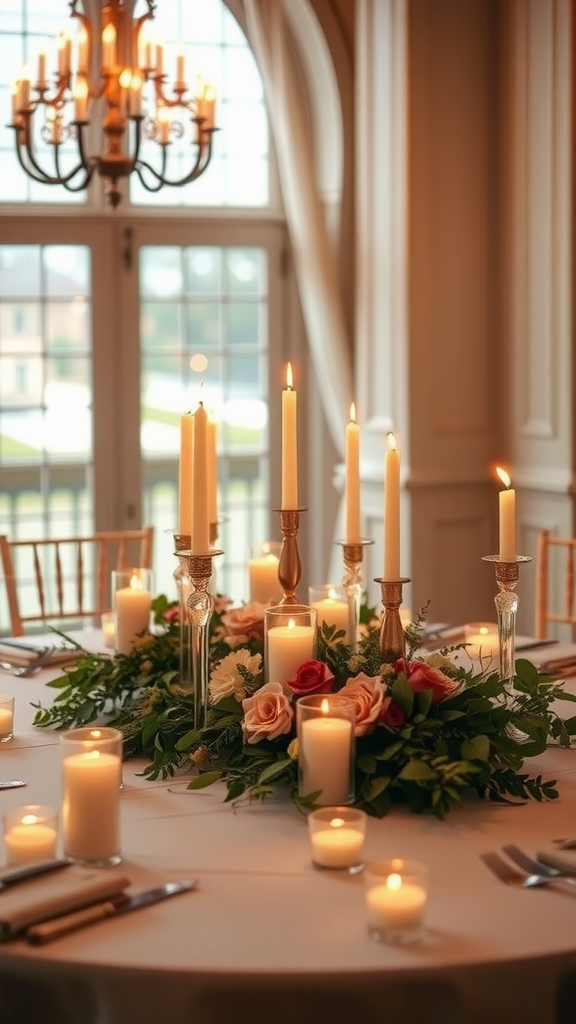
91,784
30,833
331,606
290,640
325,729
263,565
337,837
396,897
132,601
6,718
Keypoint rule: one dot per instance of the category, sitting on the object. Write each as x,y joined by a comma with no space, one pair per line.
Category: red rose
312,677
392,714
423,677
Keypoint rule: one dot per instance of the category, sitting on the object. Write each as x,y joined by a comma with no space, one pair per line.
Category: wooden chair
545,581
68,578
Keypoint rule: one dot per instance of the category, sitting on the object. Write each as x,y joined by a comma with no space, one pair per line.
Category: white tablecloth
268,938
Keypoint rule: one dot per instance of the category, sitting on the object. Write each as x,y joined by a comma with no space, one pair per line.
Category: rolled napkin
25,653
47,896
556,857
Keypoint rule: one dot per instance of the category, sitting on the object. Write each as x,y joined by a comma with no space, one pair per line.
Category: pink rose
423,677
312,677
392,714
246,621
267,714
367,692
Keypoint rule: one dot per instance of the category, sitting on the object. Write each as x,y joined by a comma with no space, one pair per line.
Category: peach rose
267,714
246,621
424,677
367,692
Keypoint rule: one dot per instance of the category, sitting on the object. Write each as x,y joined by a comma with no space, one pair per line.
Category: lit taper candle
391,511
352,533
507,503
289,444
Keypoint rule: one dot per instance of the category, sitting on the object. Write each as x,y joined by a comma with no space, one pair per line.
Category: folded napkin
556,857
46,896
22,653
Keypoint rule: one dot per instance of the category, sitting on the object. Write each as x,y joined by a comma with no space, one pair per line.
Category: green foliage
474,741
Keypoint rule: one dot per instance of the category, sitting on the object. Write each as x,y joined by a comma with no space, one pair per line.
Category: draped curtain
269,33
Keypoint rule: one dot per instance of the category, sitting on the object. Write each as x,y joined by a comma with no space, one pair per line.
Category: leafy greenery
430,750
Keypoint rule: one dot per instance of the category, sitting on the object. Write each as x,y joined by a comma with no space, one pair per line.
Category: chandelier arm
34,171
202,161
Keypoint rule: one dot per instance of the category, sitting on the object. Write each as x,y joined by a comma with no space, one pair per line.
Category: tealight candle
30,834
91,779
337,837
396,897
6,718
325,727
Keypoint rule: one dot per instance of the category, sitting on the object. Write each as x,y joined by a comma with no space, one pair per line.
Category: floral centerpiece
428,731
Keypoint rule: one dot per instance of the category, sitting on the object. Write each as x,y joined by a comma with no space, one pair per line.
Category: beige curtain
315,266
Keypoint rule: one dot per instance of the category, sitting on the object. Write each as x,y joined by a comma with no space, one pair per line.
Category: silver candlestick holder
392,639
506,600
196,573
353,554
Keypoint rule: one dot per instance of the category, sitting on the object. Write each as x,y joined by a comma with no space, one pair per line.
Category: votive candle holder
325,729
337,836
290,640
91,785
30,833
396,898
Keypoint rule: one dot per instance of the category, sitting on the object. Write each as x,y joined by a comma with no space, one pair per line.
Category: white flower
227,681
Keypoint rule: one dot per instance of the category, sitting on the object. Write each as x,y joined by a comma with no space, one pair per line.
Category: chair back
68,578
555,582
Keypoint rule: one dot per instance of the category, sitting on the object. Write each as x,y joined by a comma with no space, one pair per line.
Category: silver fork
510,876
32,667
534,866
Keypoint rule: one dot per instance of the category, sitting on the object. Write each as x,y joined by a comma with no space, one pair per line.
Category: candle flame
135,582
324,707
503,476
352,413
289,379
391,441
337,822
265,548
484,630
30,819
332,594
394,881
291,624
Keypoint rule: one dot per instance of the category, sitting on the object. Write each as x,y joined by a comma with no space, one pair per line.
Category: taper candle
185,473
289,444
200,532
212,470
507,503
352,532
392,511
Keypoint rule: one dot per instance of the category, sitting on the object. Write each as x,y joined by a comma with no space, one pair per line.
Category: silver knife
12,784
38,867
38,934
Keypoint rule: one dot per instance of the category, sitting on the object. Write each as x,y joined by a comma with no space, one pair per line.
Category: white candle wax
132,615
263,578
289,445
29,842
200,531
392,512
507,505
185,473
91,805
108,633
337,847
332,611
212,471
352,531
6,721
324,753
396,909
288,647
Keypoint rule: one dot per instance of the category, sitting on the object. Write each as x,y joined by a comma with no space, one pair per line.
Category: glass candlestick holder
506,601
353,554
289,566
392,639
182,544
196,576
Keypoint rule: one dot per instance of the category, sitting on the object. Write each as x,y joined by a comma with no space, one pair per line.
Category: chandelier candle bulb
91,782
132,599
83,51
352,531
391,511
289,444
109,46
325,727
507,504
30,834
41,70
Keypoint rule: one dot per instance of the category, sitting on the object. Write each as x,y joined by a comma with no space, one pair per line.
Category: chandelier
110,93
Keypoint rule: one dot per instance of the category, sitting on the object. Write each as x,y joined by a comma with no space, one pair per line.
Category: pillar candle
91,805
352,532
132,611
392,511
507,503
288,647
200,532
263,577
324,752
289,444
185,473
30,840
332,610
